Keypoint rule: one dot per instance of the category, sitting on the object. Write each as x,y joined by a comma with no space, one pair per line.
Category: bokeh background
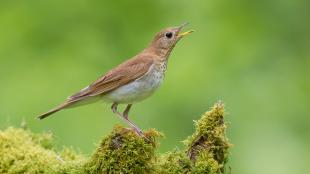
253,55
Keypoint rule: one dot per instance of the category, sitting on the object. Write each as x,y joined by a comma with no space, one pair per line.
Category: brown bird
131,81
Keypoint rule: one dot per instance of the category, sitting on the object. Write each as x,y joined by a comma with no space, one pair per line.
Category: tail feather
68,104
58,108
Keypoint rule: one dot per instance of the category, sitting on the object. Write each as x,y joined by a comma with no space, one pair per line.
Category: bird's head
165,40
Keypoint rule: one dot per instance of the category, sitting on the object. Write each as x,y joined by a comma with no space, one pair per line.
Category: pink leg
124,116
126,112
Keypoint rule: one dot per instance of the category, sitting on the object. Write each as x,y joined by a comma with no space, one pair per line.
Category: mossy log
122,151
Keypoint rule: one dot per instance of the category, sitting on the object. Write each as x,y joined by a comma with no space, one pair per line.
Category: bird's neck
161,53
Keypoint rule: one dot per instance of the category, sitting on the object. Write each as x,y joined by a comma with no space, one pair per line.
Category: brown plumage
121,75
122,84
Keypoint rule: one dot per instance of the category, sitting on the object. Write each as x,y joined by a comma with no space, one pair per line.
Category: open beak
186,32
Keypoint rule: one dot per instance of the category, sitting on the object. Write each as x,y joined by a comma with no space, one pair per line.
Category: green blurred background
253,55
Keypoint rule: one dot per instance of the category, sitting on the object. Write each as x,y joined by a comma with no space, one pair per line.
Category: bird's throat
160,52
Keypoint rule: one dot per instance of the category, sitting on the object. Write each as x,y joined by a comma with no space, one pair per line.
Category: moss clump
123,151
174,162
208,146
205,163
24,152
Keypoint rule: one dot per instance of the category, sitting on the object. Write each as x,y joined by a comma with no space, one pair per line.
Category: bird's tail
56,109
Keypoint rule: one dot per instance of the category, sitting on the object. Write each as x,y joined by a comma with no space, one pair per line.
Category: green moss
205,163
206,150
122,151
208,146
24,152
174,162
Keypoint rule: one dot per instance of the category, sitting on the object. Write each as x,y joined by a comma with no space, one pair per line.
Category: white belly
137,90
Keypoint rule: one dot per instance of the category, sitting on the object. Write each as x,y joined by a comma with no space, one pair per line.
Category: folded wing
121,75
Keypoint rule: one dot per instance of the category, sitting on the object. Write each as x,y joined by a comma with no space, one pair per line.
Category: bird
131,81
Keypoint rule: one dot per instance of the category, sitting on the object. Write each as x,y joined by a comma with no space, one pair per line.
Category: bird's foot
137,130
139,133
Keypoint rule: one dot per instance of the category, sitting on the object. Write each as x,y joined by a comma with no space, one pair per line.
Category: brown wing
121,75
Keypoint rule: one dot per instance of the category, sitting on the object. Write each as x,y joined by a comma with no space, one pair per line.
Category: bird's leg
114,110
137,129
124,116
126,111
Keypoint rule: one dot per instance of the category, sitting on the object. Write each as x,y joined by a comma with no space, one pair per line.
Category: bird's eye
169,35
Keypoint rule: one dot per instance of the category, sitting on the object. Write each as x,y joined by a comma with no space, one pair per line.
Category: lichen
122,151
